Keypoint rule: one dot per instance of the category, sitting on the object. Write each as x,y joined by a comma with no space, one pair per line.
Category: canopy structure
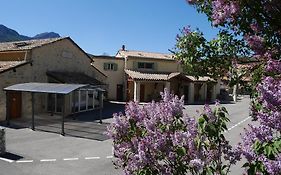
49,88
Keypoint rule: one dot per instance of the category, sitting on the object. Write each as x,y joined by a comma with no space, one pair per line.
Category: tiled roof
5,65
26,45
104,57
142,54
158,76
147,76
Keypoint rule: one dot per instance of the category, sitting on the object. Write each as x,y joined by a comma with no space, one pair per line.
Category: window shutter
115,67
154,66
135,65
105,66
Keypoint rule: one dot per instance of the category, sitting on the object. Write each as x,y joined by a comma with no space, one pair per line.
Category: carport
48,88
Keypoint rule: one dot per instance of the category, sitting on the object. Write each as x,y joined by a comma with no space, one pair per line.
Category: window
110,66
67,54
143,65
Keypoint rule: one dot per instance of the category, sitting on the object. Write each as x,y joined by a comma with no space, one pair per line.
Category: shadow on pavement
107,112
11,156
82,125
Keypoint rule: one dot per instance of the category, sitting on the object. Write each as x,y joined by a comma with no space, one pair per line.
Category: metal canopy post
32,101
53,105
100,94
7,108
63,113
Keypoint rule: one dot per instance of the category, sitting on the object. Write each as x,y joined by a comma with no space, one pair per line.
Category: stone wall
22,74
63,56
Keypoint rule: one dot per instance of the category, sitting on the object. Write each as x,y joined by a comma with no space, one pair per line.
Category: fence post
2,141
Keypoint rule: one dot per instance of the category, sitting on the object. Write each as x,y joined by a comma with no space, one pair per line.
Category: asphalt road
42,153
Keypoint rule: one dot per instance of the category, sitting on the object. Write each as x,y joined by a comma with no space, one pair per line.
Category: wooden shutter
135,65
154,66
105,66
115,66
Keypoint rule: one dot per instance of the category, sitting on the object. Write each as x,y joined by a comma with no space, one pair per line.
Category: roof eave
16,66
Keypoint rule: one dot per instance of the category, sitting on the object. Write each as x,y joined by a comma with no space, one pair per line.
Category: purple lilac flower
273,66
151,135
208,111
197,164
256,43
269,118
223,10
186,30
255,27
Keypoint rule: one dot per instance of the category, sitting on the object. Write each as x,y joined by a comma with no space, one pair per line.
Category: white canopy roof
54,88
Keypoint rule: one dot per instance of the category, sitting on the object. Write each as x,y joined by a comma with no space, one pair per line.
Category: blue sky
103,26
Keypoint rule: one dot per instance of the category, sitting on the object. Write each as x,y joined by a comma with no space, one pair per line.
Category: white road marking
53,160
24,161
239,123
48,160
89,158
7,160
71,158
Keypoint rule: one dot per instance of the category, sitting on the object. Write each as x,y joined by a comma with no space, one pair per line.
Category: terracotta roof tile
147,76
142,54
160,76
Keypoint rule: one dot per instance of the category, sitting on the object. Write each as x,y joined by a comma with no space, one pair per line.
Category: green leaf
224,110
181,151
268,151
277,145
224,126
257,146
246,165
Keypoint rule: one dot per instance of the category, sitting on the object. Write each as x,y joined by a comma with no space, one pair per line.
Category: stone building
56,60
141,76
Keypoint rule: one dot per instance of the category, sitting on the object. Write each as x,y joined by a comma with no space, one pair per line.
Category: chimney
123,48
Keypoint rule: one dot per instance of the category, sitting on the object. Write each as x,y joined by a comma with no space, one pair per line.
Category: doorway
119,92
15,104
197,89
185,93
142,92
209,92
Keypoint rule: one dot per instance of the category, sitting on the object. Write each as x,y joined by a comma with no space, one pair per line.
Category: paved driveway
44,153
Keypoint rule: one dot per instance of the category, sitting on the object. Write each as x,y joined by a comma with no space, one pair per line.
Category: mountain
46,35
7,34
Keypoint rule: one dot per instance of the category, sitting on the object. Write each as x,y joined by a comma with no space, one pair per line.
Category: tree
212,58
235,78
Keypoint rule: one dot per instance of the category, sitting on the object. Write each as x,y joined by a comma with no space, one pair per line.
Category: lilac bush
257,23
223,10
261,143
157,138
